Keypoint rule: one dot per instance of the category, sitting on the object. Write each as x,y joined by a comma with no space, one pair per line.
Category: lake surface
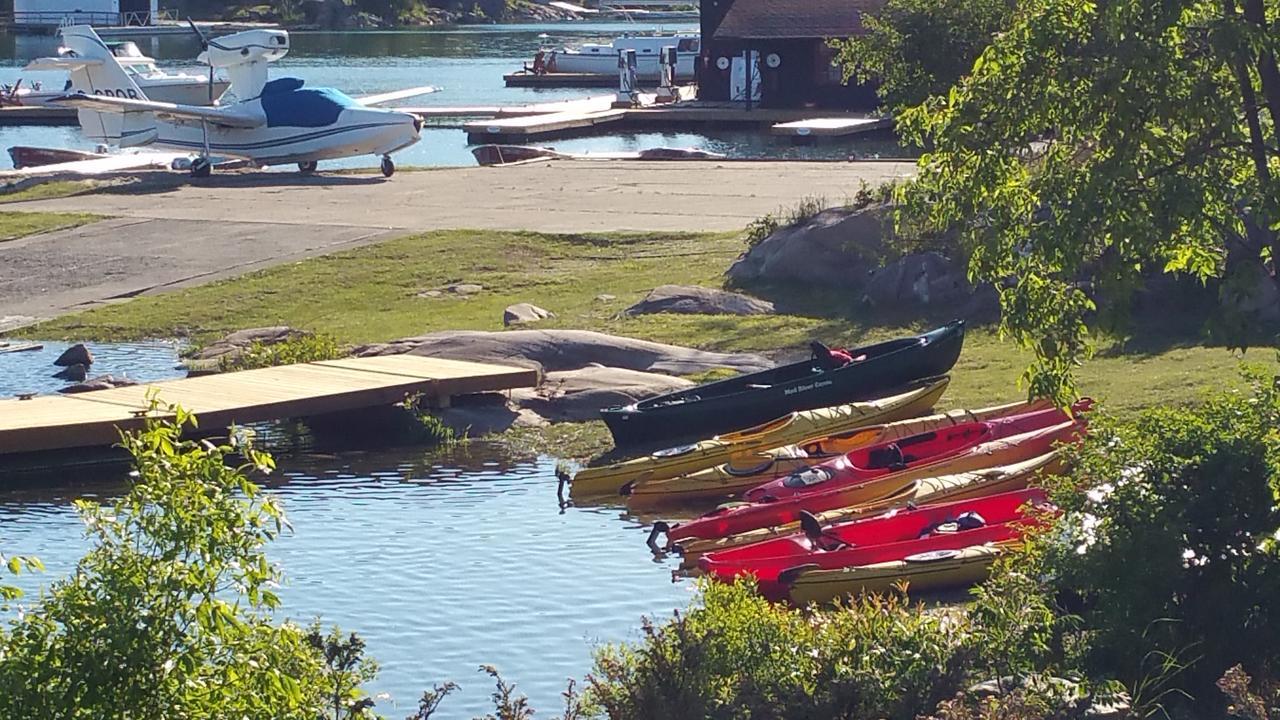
467,63
441,561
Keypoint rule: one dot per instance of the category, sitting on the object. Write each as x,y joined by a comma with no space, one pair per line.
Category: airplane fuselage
356,132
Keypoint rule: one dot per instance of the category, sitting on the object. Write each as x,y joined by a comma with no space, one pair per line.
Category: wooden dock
94,419
830,126
520,129
525,78
15,115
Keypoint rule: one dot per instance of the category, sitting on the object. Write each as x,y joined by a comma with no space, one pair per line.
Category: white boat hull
647,66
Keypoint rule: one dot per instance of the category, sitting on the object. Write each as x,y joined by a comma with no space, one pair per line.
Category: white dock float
532,126
830,126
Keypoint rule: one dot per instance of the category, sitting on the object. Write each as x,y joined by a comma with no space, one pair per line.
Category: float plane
269,122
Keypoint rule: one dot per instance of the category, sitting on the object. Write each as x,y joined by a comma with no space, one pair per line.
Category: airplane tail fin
102,74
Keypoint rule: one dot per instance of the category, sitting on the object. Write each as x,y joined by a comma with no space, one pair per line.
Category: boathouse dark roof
783,19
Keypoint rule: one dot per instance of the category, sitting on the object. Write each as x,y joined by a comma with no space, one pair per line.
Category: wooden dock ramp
94,419
519,129
830,126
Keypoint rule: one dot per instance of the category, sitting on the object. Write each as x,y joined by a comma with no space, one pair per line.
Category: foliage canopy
1094,142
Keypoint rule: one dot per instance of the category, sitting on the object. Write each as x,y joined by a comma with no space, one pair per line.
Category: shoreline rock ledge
694,299
557,350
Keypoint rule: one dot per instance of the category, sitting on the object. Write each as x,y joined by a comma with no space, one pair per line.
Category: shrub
300,349
739,656
1167,550
169,613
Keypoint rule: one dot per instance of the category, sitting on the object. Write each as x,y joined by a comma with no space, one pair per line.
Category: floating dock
526,78
651,116
518,129
810,128
94,419
11,115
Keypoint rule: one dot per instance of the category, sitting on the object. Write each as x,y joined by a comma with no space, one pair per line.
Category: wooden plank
93,419
830,126
535,125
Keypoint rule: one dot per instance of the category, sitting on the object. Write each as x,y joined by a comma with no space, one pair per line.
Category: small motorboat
25,156
735,518
829,377
179,88
925,491
897,455
670,462
746,470
892,536
602,58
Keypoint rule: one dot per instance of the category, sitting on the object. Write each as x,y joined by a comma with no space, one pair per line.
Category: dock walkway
94,419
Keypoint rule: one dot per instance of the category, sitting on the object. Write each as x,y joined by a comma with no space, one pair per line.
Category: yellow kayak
788,430
743,473
938,570
924,491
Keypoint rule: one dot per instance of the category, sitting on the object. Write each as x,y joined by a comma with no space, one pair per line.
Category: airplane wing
65,64
228,117
384,98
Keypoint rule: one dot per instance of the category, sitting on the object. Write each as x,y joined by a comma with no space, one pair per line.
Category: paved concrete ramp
94,419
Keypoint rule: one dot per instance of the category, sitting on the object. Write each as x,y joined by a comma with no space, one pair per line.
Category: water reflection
442,561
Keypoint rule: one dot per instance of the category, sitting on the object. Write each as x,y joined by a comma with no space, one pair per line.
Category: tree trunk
1255,12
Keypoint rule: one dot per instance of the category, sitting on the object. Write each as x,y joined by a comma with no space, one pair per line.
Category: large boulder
237,342
74,373
522,313
486,413
77,354
555,350
692,299
834,248
918,280
577,395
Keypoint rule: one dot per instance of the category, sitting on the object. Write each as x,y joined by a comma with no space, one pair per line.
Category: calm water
32,371
441,562
467,63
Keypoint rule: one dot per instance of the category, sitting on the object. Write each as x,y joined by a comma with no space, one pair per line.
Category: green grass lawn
54,189
374,293
14,225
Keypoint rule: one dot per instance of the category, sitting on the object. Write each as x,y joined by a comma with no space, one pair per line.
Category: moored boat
896,455
744,517
925,491
159,85
829,377
602,58
744,471
911,401
891,536
933,571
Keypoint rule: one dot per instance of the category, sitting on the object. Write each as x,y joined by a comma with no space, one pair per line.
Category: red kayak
873,461
733,519
892,536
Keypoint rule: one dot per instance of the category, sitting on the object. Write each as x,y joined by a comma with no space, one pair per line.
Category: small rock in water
74,373
101,382
77,354
524,313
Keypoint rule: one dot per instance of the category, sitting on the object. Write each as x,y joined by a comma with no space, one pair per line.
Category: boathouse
53,13
774,53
